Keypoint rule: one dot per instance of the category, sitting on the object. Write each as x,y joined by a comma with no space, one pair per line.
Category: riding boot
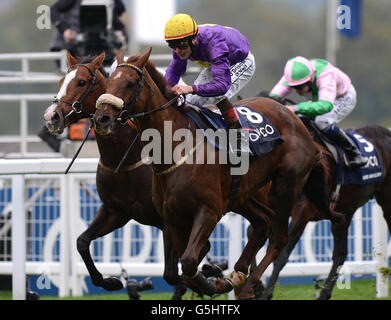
233,122
355,158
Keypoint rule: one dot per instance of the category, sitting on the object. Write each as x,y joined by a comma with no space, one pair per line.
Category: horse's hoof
112,284
211,270
222,285
179,291
324,297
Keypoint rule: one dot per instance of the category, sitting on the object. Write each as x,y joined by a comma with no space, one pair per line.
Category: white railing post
18,239
75,218
25,68
380,243
64,237
235,243
23,126
358,235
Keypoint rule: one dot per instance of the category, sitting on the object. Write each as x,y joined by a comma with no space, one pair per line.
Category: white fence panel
55,208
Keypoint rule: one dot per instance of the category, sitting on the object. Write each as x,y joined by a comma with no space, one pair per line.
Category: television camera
96,30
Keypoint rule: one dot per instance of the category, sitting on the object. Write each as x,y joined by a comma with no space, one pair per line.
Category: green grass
359,290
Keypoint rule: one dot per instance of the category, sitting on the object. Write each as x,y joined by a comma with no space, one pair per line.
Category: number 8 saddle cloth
262,134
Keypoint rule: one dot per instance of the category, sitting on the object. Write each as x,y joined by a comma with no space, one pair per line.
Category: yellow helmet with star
179,27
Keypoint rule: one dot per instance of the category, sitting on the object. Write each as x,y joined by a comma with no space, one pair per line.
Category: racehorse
351,197
125,195
193,197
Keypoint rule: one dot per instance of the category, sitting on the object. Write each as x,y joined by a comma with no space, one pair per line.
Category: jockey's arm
175,70
281,90
327,90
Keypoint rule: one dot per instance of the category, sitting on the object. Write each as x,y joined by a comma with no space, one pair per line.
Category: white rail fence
48,210
26,76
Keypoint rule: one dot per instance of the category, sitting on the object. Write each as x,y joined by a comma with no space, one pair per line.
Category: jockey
228,65
331,98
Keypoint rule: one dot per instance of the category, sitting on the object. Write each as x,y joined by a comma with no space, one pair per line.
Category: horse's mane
156,76
159,80
88,59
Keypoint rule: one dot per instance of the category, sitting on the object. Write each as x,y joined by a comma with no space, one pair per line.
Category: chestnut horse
351,197
125,195
193,197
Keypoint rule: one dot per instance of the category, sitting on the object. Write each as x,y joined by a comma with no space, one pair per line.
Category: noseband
77,106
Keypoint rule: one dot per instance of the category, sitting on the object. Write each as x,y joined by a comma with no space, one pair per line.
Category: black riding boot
355,158
232,120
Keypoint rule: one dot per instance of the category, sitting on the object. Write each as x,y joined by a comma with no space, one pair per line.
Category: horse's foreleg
260,217
340,234
277,242
285,186
301,214
170,274
103,223
203,225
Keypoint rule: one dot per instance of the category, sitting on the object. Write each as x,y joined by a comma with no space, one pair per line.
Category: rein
77,106
125,115
78,150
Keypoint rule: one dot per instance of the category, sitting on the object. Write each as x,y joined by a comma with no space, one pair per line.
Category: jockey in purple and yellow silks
331,98
225,55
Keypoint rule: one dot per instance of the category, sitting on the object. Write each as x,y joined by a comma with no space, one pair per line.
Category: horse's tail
317,187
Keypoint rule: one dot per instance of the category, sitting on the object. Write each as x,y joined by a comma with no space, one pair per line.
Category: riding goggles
301,86
180,44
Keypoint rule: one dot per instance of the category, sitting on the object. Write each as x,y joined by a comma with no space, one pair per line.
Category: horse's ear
97,62
71,59
144,58
120,56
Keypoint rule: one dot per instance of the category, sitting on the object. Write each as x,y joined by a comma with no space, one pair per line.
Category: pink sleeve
327,86
281,89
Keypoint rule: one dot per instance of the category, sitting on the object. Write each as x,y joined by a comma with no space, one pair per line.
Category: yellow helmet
180,26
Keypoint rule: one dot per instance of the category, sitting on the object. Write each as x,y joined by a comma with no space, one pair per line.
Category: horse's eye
130,85
81,83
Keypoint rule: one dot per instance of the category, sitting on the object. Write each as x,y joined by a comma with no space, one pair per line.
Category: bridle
125,113
124,116
77,106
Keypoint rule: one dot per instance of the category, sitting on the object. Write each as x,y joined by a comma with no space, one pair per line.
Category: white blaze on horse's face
118,75
49,113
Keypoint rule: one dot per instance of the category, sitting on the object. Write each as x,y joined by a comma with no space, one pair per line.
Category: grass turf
359,290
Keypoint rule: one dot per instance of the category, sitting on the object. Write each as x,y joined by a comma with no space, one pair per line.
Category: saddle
263,136
371,172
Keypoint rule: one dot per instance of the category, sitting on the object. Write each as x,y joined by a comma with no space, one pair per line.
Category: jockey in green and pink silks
331,97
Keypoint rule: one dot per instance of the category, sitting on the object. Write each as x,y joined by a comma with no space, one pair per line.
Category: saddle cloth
263,136
371,172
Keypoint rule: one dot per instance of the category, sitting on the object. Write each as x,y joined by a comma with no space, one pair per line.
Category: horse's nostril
56,117
103,120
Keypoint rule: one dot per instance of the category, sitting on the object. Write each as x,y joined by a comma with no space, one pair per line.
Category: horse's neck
112,148
158,120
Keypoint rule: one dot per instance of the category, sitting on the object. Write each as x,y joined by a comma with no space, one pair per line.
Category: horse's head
79,90
124,93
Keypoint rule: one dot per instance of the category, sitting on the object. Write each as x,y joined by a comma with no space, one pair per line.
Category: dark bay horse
351,197
193,197
125,195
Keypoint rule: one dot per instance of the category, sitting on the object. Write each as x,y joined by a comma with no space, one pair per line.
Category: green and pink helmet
298,70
